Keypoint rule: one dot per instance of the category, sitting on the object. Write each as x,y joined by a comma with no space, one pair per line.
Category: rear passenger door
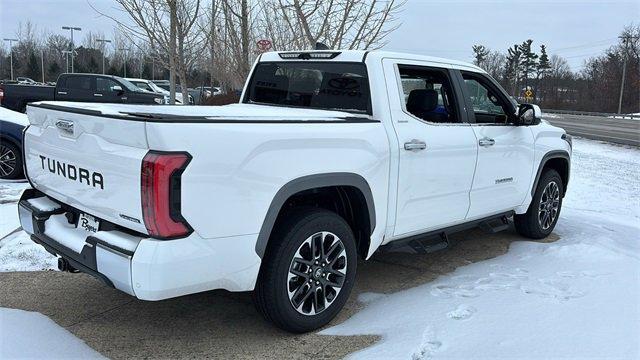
505,150
76,88
437,148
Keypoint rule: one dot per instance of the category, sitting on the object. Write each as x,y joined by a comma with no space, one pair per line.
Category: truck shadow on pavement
220,324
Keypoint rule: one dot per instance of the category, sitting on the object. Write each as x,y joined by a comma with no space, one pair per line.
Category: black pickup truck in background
78,87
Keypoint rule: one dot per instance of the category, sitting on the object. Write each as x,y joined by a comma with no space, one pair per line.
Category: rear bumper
143,267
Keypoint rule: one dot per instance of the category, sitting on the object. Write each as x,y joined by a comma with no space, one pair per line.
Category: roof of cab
361,55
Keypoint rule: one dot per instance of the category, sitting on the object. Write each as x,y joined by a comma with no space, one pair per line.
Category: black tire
292,238
10,161
532,224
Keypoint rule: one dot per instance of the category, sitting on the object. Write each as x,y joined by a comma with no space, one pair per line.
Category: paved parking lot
220,324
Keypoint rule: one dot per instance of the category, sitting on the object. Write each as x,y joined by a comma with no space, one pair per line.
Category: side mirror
117,89
529,114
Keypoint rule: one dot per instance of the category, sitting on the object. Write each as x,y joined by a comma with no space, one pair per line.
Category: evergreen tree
53,71
543,67
480,54
33,67
512,68
543,63
529,62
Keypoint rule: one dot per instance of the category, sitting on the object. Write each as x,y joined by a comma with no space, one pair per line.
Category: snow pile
578,297
13,116
30,335
17,251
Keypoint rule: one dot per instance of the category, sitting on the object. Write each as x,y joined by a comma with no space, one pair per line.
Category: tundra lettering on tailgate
72,172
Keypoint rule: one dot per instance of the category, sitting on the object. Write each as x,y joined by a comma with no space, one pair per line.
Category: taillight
160,186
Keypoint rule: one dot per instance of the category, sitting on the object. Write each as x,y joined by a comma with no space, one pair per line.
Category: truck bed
228,113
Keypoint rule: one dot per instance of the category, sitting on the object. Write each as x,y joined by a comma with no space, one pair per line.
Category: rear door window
79,83
428,94
317,85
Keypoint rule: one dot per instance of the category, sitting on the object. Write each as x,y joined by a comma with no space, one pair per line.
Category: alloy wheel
7,160
317,273
549,205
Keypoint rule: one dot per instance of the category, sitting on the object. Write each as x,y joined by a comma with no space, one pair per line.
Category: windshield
318,85
142,85
127,84
147,86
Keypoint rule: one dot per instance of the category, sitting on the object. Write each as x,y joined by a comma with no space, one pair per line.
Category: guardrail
590,113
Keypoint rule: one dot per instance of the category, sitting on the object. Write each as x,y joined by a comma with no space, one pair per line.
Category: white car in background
26,80
148,85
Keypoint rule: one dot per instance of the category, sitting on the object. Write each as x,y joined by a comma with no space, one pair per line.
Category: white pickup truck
329,155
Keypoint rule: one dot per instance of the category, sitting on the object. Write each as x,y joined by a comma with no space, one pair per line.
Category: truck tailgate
89,162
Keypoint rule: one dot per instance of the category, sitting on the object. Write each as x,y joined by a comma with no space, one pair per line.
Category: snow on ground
13,116
578,297
30,335
17,251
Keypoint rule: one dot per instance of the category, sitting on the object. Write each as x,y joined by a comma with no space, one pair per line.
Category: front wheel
308,272
543,213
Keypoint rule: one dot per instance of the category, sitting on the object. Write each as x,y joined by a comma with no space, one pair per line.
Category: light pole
125,60
71,28
11,53
66,58
42,58
104,42
625,40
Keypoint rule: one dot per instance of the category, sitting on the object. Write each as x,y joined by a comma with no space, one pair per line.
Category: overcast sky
573,29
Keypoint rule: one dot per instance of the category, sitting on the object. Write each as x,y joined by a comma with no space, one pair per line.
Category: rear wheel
308,272
10,161
544,211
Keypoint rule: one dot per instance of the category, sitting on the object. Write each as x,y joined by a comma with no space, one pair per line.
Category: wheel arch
558,160
10,140
348,193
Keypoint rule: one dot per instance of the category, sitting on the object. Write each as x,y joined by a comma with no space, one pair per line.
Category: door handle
97,95
415,145
486,142
62,93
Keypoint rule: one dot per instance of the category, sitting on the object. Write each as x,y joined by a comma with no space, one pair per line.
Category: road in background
620,131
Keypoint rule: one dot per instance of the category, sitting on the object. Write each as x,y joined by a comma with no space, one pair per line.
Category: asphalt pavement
620,131
220,324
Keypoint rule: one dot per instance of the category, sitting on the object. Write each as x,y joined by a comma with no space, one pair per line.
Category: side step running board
426,246
439,239
495,225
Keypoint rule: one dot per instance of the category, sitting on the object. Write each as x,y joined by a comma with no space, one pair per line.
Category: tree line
201,42
524,69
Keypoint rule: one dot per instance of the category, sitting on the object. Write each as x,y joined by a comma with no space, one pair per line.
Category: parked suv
329,155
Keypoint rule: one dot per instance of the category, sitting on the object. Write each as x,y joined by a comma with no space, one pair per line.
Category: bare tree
341,24
165,26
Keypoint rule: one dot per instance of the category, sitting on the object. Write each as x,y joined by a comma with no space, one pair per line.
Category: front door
505,150
437,149
108,91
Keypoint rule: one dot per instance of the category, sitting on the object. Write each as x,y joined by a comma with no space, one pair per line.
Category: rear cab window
325,85
78,83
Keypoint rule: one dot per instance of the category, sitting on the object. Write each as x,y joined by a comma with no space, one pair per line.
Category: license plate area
88,223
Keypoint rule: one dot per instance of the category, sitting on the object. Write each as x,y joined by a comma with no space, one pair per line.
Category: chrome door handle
97,95
62,93
415,145
486,142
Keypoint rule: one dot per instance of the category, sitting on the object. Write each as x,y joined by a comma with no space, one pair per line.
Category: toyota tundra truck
328,156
